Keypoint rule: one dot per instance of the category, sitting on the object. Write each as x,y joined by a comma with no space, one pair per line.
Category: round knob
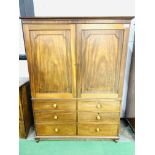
55,117
56,130
54,105
98,106
98,117
97,129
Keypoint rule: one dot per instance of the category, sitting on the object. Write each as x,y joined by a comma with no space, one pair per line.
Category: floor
125,146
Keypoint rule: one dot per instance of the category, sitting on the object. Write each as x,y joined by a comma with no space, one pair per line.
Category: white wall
21,42
23,69
85,8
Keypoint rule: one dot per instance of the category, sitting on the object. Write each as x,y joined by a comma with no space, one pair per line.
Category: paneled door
51,55
100,59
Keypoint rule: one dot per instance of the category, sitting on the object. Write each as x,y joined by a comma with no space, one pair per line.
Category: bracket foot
37,140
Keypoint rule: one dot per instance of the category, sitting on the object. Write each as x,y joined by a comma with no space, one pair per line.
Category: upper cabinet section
51,58
76,57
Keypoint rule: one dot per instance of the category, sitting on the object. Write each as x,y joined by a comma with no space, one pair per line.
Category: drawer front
109,106
97,130
106,117
55,129
54,105
47,116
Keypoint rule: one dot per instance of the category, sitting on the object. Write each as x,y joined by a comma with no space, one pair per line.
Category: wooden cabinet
76,68
25,110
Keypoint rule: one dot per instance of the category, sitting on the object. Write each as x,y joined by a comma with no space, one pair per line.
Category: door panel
99,59
53,58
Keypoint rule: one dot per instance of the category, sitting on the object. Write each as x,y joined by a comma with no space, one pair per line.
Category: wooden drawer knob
98,117
97,129
98,106
55,117
56,129
54,105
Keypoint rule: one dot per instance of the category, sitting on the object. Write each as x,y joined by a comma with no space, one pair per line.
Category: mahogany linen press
76,68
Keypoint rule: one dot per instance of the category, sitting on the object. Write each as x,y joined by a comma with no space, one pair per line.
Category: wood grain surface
48,116
76,67
99,105
97,130
99,58
55,129
99,117
25,115
51,59
54,105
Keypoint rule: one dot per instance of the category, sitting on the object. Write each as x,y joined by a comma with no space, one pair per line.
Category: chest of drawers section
55,117
98,117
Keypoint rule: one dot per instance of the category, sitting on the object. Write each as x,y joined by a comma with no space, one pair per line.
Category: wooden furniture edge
80,17
77,20
76,137
82,99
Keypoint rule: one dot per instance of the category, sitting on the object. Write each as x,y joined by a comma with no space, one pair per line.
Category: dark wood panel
25,113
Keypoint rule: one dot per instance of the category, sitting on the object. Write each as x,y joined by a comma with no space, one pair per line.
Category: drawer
54,105
47,116
97,130
102,117
93,105
55,129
